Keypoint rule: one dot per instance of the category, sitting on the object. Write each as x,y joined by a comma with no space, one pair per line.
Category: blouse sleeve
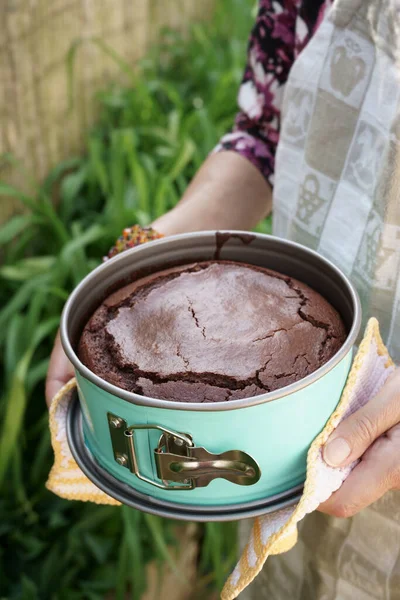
271,53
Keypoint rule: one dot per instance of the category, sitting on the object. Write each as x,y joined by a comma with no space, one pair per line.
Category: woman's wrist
228,192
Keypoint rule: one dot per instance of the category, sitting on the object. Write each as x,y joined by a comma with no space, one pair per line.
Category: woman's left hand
372,434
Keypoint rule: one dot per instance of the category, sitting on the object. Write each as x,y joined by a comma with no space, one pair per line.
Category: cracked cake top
210,332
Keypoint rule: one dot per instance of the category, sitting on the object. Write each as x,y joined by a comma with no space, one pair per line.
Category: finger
356,433
377,472
60,371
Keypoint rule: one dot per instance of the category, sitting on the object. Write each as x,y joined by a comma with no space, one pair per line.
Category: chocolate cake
210,332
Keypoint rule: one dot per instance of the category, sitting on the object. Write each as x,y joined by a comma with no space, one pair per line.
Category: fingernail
336,452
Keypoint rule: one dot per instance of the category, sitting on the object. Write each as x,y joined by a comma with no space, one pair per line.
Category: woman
335,174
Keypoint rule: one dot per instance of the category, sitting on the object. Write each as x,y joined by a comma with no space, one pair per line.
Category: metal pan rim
208,236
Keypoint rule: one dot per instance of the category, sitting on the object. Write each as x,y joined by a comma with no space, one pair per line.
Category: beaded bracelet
131,237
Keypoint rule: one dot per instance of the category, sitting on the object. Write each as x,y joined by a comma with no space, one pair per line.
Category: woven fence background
35,37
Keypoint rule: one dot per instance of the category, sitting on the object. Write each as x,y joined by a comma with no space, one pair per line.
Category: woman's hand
60,370
372,434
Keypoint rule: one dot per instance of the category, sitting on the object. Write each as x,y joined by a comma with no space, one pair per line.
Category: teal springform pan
195,461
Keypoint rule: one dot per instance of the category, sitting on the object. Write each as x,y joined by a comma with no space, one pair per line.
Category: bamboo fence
35,37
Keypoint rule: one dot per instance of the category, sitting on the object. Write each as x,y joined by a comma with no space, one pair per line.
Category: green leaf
58,171
58,292
27,268
37,373
133,521
12,192
51,570
155,528
19,300
17,482
16,343
160,198
169,90
71,185
183,158
29,590
18,165
38,467
174,124
117,173
16,225
15,403
92,234
97,163
99,547
43,330
123,574
71,58
124,65
54,221
138,173
22,245
265,226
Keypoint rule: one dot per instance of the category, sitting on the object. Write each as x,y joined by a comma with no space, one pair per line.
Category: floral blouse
282,30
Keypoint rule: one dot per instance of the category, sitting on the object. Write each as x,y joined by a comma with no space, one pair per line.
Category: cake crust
210,332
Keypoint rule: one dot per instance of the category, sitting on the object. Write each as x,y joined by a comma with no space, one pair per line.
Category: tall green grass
151,137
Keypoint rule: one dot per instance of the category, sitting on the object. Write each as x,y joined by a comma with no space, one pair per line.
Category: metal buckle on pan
178,460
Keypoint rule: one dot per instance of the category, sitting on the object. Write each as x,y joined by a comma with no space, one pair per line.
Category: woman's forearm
228,192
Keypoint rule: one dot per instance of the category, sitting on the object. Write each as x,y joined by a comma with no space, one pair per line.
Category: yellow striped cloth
271,534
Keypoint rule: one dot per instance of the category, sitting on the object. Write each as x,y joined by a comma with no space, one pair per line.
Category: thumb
356,433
